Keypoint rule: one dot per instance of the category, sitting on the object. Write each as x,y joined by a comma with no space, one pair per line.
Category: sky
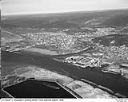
12,7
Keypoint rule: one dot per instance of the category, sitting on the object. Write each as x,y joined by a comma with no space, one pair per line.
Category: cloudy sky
10,7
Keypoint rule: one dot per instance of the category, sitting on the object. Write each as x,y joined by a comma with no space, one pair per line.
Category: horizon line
73,11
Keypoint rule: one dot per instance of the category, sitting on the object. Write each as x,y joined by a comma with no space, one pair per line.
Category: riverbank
77,88
41,51
110,81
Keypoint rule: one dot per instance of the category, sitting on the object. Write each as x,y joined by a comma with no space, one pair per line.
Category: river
114,82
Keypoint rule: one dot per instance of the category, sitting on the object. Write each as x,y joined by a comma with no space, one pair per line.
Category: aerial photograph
75,49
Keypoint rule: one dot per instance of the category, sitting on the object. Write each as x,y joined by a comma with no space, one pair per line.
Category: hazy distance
12,7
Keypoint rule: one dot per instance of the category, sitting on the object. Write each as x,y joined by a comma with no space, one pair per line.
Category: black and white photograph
64,49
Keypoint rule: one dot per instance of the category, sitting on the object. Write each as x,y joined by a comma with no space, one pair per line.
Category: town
113,58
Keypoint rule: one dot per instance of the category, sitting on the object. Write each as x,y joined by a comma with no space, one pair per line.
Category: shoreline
41,51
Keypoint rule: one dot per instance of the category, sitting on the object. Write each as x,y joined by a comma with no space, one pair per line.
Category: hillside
68,20
112,40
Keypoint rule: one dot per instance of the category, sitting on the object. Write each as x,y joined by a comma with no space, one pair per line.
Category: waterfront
37,89
113,82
